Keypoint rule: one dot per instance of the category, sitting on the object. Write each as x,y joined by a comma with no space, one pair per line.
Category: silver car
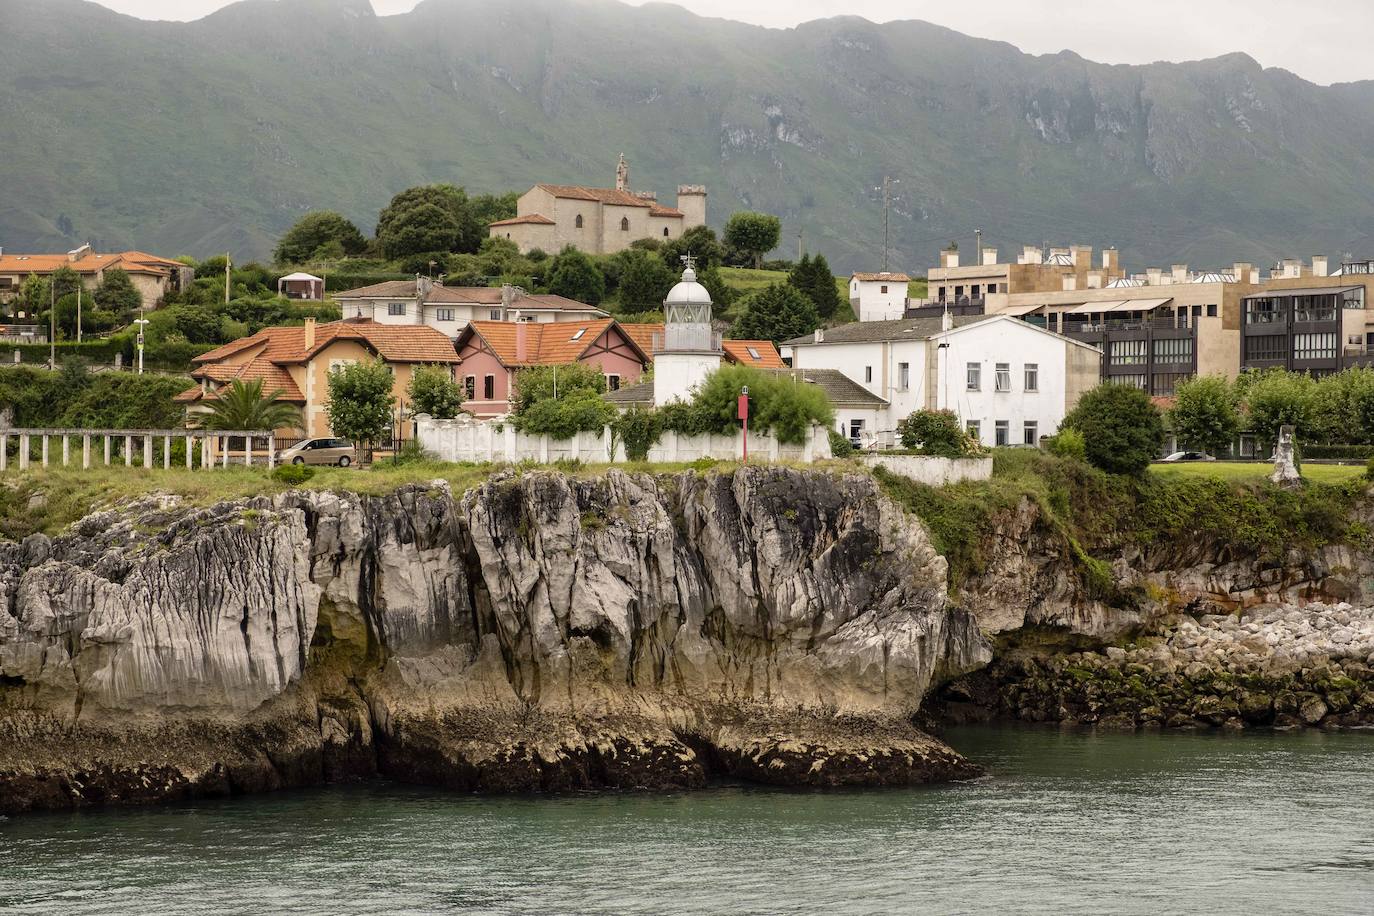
319,451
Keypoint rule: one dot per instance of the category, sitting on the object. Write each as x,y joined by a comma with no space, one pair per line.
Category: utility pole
977,247
801,234
78,310
888,182
226,278
52,323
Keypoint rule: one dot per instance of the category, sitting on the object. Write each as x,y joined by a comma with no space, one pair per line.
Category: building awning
1141,305
1309,291
1116,305
1018,310
1089,307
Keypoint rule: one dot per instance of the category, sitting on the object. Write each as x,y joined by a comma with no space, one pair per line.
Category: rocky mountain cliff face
541,632
218,134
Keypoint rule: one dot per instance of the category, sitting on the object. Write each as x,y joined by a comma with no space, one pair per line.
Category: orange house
297,361
761,354
493,351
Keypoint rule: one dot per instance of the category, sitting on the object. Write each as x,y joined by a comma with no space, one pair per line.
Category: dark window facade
1265,348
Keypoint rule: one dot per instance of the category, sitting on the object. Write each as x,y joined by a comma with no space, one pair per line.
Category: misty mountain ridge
217,134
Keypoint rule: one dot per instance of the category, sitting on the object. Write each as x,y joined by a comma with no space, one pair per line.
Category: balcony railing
1264,318
688,338
1126,324
1307,315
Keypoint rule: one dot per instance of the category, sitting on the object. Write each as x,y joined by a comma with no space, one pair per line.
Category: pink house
493,351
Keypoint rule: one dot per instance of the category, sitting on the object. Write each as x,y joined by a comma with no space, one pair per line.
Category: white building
1008,381
450,308
878,297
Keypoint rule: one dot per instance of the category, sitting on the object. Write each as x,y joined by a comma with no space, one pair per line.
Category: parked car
1188,456
319,451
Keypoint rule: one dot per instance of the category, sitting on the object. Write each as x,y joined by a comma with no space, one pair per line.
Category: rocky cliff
537,633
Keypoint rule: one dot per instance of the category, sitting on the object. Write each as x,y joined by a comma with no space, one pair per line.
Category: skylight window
578,335
753,353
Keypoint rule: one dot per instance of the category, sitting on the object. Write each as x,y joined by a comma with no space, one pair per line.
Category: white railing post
43,450
85,451
106,437
5,449
190,452
66,450
147,451
224,443
166,452
128,451
271,452
248,450
205,452
23,451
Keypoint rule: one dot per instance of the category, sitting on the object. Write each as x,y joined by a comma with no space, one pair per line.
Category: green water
1064,823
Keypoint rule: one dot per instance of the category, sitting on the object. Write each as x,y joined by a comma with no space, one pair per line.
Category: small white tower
689,350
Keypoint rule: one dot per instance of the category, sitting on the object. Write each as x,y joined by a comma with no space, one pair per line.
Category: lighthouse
689,350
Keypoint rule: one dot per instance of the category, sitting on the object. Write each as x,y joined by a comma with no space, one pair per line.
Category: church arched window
578,224
665,232
624,224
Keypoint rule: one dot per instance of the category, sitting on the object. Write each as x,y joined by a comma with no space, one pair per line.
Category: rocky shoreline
540,633
1269,666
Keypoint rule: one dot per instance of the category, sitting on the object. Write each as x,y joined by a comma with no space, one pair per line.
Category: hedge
1359,452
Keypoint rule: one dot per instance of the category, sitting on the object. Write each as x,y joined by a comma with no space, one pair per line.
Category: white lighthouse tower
689,350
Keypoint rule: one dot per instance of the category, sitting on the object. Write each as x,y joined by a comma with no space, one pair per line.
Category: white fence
469,440
931,469
57,446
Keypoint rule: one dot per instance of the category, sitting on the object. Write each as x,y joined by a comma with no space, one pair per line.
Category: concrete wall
468,440
932,470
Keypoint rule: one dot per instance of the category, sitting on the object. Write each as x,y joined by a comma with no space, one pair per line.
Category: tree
33,296
116,293
935,432
433,391
1122,430
753,235
1343,408
314,232
812,277
547,383
776,313
486,209
425,227
1279,398
1204,414
782,404
244,406
700,242
644,281
360,401
576,276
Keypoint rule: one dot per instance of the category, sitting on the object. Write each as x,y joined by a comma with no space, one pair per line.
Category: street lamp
140,322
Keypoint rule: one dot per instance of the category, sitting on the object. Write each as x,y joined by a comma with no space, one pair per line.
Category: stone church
599,220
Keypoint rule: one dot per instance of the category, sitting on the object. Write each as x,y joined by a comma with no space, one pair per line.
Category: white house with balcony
1009,382
450,308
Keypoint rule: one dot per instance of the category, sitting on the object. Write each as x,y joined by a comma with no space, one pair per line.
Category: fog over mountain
216,134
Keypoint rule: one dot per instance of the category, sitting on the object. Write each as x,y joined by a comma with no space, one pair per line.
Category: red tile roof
670,212
401,343
546,343
537,219
603,195
737,351
134,262
643,335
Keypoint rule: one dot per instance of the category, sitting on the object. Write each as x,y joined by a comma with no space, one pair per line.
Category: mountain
215,135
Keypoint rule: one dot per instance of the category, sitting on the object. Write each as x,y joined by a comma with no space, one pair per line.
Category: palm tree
243,406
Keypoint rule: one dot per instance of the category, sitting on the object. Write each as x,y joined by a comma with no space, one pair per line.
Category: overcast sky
1324,41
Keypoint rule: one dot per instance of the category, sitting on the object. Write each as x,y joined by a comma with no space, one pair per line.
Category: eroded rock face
540,632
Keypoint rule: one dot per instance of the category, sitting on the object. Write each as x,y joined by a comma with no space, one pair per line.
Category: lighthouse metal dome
688,291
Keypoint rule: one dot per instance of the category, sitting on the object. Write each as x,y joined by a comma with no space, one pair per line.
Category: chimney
818,335
1070,281
507,299
1254,276
520,345
1153,276
949,257
1031,254
1319,265
1109,262
309,334
422,287
1241,271
989,257
1094,279
1082,255
1180,273
1292,267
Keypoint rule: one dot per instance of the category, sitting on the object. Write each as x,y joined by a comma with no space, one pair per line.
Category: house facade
1009,382
493,351
450,308
598,220
297,361
152,276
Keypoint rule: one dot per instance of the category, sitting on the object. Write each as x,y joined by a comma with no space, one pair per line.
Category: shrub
1338,451
410,452
433,391
1369,470
934,432
1067,443
638,429
293,475
539,383
1122,430
840,446
581,410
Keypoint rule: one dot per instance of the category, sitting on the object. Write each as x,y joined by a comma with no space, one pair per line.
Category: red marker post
744,415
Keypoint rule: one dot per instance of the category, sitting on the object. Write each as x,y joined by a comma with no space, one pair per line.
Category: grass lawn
1253,471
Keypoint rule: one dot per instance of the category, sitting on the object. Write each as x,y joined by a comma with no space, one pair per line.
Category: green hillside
215,135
